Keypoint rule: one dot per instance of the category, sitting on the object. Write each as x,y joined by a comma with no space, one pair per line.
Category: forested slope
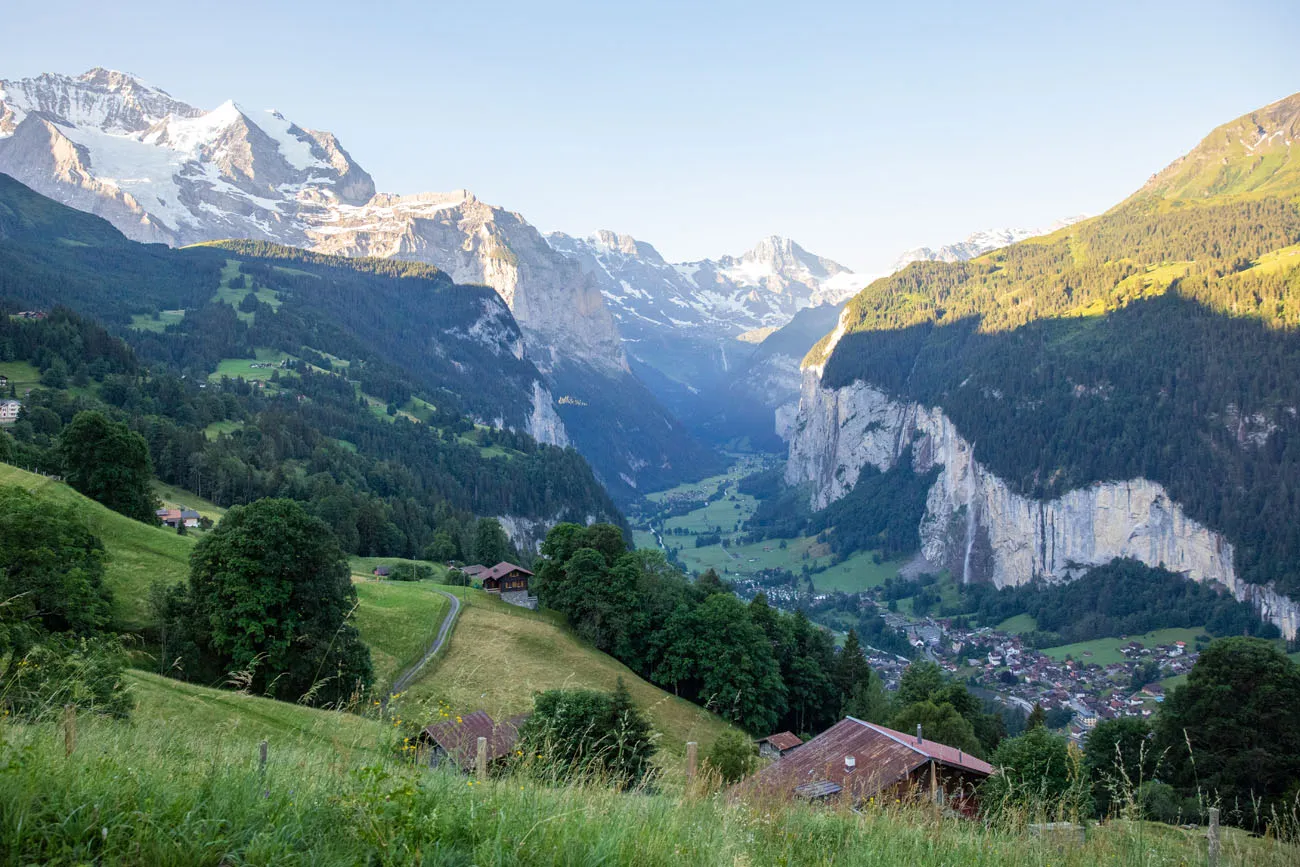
1157,340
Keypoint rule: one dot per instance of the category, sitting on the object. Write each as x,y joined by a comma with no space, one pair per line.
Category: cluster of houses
1093,692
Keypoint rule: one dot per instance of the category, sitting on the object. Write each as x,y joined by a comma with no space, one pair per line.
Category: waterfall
970,516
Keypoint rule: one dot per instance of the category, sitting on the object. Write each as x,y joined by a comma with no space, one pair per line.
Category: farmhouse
777,745
456,740
853,761
505,578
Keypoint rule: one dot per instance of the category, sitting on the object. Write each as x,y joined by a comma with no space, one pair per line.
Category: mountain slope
1153,344
162,170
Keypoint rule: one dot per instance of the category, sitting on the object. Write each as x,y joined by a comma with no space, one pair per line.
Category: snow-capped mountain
763,288
162,170
976,244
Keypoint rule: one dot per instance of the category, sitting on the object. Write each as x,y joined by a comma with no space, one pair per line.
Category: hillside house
177,517
853,761
381,571
4,381
475,572
456,740
777,745
9,410
505,578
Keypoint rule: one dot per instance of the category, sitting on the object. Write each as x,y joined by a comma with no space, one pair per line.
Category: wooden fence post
692,755
261,759
1214,837
480,766
69,729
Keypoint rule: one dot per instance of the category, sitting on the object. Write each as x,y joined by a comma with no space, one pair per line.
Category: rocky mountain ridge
976,244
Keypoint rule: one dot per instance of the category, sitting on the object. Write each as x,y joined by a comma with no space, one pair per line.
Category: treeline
385,486
1124,597
751,663
880,513
1070,364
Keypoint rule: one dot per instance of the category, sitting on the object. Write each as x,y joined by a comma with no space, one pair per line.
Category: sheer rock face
981,529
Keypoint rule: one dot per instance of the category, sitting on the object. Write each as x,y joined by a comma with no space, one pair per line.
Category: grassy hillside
180,785
398,621
138,554
499,655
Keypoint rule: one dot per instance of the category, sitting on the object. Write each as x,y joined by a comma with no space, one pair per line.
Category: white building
9,410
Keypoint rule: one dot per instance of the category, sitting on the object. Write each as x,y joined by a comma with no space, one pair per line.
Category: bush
63,670
732,756
579,732
410,572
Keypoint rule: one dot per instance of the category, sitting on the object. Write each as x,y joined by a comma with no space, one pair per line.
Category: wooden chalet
456,740
777,745
855,761
505,578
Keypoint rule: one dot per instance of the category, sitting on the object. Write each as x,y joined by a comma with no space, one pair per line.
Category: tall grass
170,793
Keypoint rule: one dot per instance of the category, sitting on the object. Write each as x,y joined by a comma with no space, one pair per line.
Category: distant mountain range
617,330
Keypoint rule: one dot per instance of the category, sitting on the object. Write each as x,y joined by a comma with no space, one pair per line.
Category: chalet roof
882,757
782,740
503,568
475,570
459,737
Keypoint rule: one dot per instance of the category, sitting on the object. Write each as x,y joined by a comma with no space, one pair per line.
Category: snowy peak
977,244
163,170
763,288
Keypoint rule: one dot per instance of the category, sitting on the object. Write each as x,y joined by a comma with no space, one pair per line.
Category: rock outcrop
981,529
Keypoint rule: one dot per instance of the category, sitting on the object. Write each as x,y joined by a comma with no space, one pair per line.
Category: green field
1018,624
226,294
220,427
143,322
138,554
398,620
21,376
173,497
1104,651
859,572
236,368
500,655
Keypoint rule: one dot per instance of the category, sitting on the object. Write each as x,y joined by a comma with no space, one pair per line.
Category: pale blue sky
857,129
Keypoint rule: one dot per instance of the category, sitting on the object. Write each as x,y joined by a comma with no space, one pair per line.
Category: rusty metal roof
460,738
880,757
782,740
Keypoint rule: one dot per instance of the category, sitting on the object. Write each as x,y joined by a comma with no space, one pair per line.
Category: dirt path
404,680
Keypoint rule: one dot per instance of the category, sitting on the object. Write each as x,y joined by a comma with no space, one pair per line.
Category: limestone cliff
979,528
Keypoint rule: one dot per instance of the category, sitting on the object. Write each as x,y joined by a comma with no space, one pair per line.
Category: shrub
732,756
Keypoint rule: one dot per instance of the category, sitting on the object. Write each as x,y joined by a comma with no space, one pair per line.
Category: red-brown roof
782,740
460,738
881,758
502,569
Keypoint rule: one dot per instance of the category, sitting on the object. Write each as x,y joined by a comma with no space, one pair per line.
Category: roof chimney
850,762
918,733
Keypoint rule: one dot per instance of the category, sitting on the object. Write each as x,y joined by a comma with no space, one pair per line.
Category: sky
858,129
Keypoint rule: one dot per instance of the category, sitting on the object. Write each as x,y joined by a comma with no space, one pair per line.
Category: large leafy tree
51,573
268,602
716,652
1120,757
1233,730
491,544
108,462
